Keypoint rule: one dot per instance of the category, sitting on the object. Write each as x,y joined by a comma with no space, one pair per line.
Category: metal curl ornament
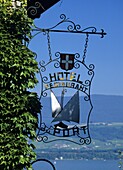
44,94
87,98
76,65
87,141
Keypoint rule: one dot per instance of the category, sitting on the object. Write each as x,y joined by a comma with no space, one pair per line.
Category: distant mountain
106,108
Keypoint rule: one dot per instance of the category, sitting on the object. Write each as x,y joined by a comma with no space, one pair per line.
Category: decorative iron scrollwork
66,71
76,134
71,28
36,7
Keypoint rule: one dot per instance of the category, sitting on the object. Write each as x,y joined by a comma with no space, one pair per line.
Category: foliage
19,107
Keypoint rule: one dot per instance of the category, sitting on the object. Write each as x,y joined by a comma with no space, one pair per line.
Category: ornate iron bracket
72,28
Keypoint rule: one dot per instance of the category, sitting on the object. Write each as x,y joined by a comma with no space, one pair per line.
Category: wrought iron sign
65,90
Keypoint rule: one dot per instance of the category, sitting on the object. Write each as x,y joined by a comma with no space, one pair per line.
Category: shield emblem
67,61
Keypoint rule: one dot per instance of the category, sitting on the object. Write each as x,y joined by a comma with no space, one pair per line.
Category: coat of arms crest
66,61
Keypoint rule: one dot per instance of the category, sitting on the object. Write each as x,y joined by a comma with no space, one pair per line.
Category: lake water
78,165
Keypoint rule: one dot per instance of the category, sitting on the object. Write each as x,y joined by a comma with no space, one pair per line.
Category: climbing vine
19,107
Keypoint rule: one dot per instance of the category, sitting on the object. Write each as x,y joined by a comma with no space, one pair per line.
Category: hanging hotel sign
65,91
65,116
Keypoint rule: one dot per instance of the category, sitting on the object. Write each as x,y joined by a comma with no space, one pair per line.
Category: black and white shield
66,61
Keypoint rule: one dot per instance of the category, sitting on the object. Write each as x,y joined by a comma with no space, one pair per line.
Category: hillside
107,135
107,141
107,108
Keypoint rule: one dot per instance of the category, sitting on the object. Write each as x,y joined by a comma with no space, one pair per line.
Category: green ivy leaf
18,107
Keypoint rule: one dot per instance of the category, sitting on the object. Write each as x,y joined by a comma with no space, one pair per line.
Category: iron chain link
49,47
85,47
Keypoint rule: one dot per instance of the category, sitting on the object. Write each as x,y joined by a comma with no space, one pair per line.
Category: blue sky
106,54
